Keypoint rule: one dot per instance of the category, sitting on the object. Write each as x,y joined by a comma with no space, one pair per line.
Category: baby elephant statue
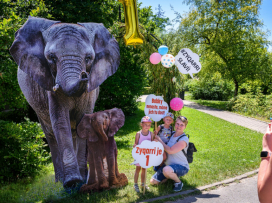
99,129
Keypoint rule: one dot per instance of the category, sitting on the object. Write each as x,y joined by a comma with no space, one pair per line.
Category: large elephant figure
61,66
99,129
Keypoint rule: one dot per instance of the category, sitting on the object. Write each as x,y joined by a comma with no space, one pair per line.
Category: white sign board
187,62
148,154
155,107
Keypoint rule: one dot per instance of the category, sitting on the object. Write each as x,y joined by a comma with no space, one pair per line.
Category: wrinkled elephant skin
61,66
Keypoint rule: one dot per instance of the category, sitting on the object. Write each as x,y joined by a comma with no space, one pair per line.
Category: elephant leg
91,179
115,178
53,145
97,152
116,165
59,116
111,161
80,147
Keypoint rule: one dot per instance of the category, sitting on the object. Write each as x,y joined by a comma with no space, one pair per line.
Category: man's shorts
178,169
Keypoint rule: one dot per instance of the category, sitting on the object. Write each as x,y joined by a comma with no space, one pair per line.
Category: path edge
202,188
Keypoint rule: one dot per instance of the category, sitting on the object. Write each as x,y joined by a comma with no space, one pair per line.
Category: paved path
244,189
243,192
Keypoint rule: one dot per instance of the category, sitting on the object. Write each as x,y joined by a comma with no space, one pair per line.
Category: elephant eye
53,58
88,59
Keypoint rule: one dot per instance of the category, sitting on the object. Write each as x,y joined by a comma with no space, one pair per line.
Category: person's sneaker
156,168
136,187
178,186
146,187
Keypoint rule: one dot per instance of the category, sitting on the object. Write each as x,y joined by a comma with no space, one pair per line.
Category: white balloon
168,60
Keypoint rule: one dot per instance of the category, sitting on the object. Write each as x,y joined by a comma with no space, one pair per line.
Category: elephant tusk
56,87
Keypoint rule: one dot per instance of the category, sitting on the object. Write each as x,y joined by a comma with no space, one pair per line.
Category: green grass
224,150
223,105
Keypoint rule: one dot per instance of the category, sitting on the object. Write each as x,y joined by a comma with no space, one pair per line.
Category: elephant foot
72,181
94,187
121,181
91,181
104,184
89,188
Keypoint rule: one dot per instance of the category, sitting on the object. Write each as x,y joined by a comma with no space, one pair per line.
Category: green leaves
23,150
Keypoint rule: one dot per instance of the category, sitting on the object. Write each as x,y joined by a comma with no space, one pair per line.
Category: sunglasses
182,117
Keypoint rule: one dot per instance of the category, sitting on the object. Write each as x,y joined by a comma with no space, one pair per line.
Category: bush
212,89
147,90
254,105
21,150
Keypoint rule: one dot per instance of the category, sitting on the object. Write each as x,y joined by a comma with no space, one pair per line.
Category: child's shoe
136,187
156,168
178,186
146,187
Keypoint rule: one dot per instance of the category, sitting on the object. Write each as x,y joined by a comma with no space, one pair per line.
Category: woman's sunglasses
182,117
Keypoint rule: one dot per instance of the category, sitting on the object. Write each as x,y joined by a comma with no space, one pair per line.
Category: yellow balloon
133,35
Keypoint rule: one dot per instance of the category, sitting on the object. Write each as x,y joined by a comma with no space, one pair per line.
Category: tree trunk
236,88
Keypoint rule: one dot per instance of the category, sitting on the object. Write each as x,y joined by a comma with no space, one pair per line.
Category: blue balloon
163,50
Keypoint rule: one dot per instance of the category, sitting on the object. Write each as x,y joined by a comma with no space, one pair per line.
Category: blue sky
265,11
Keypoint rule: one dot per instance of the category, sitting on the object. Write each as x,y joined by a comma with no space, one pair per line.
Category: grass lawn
224,150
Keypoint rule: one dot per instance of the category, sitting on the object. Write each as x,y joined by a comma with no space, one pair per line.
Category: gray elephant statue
99,129
61,66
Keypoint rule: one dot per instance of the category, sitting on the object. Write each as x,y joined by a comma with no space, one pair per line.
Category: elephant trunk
102,132
73,81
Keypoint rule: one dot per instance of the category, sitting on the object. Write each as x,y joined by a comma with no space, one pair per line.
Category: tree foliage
73,11
13,16
22,150
229,36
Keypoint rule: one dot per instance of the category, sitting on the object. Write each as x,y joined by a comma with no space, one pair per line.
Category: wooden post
144,180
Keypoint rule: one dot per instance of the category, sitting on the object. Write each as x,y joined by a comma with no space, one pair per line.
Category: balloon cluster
167,60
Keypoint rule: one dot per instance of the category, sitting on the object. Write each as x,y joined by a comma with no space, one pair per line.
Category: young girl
142,135
164,131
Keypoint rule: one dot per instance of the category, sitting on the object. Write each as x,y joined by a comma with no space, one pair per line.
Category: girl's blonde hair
183,119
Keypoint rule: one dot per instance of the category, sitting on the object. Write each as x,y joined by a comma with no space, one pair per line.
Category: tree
13,16
160,78
160,19
229,38
73,11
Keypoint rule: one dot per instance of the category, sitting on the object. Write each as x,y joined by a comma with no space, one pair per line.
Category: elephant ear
107,55
85,129
28,51
117,120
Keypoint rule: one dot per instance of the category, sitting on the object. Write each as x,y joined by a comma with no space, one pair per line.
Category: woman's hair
183,119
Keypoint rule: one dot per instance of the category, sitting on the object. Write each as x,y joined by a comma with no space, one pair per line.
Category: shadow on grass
103,196
165,191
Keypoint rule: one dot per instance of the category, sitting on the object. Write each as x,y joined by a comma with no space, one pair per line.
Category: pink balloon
176,104
155,58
